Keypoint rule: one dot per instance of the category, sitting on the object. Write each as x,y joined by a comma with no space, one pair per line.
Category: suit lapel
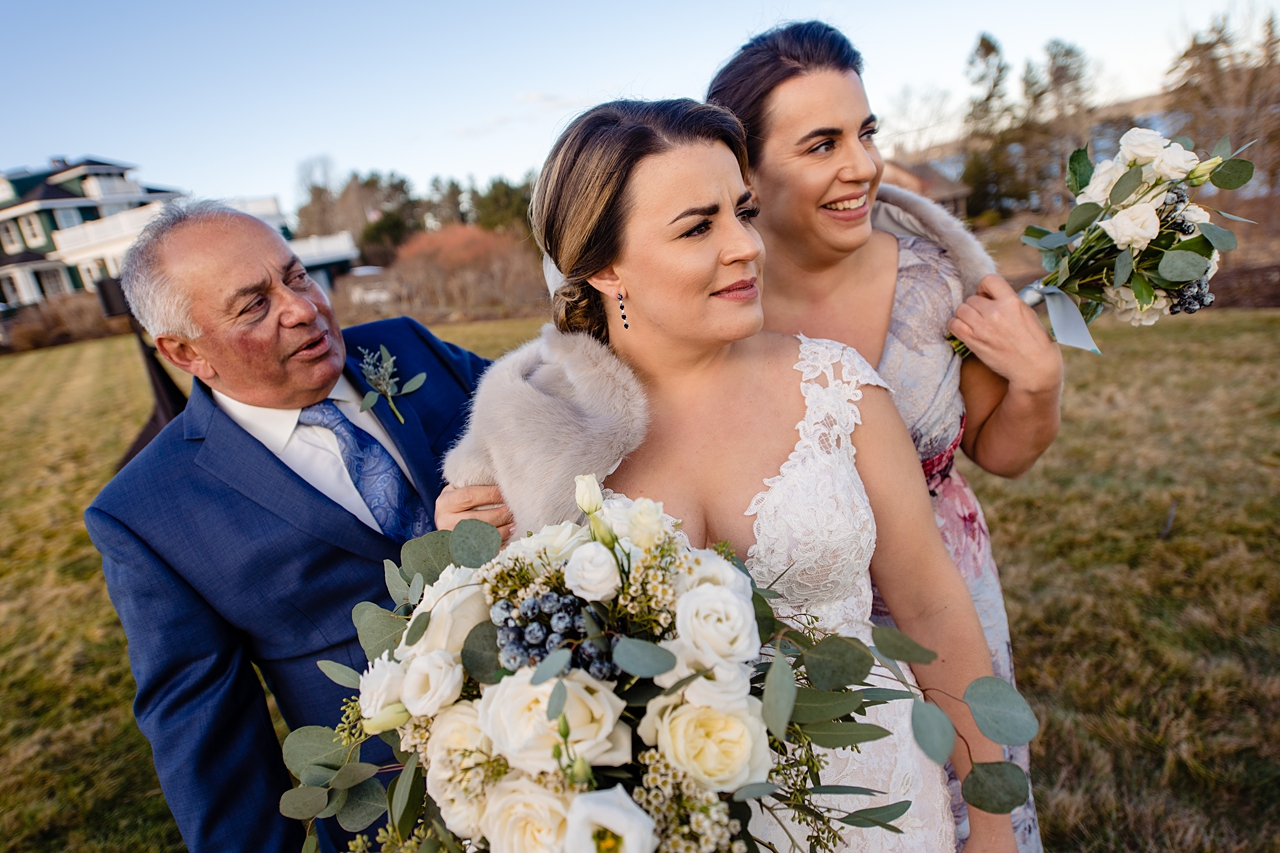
410,438
244,464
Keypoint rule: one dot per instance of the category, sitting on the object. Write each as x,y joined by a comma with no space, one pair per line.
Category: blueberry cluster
530,630
1175,195
1191,297
1183,227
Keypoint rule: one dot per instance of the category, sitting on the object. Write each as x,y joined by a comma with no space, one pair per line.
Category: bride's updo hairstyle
581,200
746,81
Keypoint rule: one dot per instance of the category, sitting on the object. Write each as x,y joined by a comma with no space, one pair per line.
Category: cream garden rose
431,681
724,685
461,811
524,817
644,523
611,810
720,749
1141,145
455,744
717,625
1174,162
1105,175
456,604
513,715
705,566
592,573
559,540
380,703
1134,227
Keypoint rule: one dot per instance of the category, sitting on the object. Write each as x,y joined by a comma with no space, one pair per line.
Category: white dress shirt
312,452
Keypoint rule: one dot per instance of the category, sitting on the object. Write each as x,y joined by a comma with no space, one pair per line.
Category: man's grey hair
155,298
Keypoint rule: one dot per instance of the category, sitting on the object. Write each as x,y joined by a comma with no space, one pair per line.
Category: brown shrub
59,320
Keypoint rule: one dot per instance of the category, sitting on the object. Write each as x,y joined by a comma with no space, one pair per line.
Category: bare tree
315,187
917,121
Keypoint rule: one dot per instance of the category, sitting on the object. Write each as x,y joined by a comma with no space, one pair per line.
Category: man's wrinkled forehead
234,250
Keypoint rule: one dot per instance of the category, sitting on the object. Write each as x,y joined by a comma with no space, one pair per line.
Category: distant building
924,178
35,205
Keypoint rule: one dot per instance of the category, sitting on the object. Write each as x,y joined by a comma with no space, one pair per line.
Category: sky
227,99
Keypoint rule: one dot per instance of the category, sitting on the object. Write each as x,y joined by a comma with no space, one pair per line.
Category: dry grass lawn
1154,662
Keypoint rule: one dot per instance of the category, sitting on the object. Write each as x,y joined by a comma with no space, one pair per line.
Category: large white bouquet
608,688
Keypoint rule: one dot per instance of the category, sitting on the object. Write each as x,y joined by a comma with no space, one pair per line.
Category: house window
67,217
10,239
52,282
32,229
8,290
90,272
112,209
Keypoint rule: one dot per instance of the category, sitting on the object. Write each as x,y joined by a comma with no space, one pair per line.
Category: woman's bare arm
924,590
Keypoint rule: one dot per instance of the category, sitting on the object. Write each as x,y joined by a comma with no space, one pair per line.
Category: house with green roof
36,203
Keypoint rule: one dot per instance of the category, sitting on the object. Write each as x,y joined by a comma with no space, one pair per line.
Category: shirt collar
274,427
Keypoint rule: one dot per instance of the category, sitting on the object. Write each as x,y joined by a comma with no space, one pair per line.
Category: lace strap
831,410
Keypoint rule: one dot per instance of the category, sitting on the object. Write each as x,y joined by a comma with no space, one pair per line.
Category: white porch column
28,289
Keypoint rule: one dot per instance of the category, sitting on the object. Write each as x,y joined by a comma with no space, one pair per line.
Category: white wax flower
380,703
456,604
613,810
587,493
513,714
1134,227
720,749
1175,162
521,816
559,541
717,625
431,681
725,686
704,566
592,573
644,523
1105,175
1141,145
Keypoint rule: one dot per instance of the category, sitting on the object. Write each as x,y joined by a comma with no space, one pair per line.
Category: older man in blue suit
247,530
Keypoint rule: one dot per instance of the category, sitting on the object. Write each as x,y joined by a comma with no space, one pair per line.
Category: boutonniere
379,371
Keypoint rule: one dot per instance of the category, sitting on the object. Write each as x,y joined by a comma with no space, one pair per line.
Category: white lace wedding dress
815,534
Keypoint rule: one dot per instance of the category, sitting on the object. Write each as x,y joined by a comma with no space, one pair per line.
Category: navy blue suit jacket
218,557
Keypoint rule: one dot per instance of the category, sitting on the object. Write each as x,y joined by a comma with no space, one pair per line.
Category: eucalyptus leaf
1124,267
852,790
1178,265
1055,240
339,674
369,401
474,543
555,702
933,730
311,844
379,631
397,586
317,775
414,384
303,803
1222,149
1035,231
1082,216
337,799
417,626
427,555
314,745
392,739
366,803
779,696
1232,175
595,634
1033,242
1222,239
877,816
552,665
818,706
997,787
1126,186
639,694
834,735
766,622
1244,147
754,792
387,357
884,694
415,589
1198,244
404,787
897,645
1050,261
642,658
1233,217
684,682
838,662
767,594
1185,142
1079,170
480,653
447,838
350,775
1142,290
1000,711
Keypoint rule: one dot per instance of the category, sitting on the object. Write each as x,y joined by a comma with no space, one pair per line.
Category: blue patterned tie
389,495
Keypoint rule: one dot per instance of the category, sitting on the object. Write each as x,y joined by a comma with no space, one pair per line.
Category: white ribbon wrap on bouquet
1069,327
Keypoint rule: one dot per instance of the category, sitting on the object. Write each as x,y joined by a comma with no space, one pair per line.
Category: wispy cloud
538,105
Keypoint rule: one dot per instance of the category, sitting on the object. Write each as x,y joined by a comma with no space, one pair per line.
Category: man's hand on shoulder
484,503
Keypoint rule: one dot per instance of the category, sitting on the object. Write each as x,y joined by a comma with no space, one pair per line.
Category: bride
657,372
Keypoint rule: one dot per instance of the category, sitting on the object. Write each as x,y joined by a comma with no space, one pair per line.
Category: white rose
456,729
644,523
725,686
1213,265
614,811
1134,226
461,812
718,625
720,749
456,604
592,573
615,512
704,566
1175,162
1105,175
1128,311
513,714
1141,146
431,681
587,493
521,816
1195,214
559,541
456,743
380,703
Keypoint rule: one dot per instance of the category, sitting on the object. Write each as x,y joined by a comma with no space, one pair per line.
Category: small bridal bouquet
1137,242
608,688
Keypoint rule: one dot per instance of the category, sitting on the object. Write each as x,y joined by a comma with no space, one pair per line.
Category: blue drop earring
622,308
